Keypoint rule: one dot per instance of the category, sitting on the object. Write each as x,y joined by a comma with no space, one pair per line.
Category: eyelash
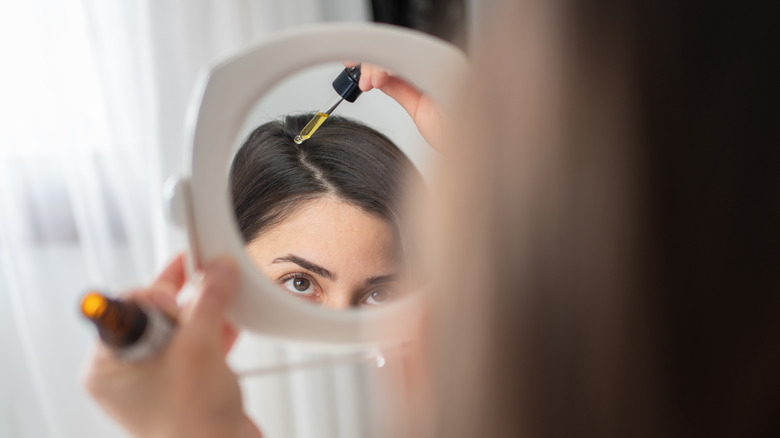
311,279
286,277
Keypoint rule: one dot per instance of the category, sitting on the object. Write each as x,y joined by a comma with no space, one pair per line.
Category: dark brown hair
623,262
272,176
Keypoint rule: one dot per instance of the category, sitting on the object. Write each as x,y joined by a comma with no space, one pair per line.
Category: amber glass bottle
133,331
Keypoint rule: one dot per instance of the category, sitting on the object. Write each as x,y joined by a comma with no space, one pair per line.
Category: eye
379,297
299,285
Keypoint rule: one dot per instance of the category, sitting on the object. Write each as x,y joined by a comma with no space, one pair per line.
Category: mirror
325,220
222,101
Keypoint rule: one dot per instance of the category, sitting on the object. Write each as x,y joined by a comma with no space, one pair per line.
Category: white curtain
92,100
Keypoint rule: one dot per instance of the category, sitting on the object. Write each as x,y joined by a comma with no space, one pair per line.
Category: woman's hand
426,113
188,390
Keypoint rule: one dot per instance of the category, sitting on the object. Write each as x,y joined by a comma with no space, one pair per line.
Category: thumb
217,290
406,94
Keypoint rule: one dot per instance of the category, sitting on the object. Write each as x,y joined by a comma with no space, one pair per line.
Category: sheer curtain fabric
92,101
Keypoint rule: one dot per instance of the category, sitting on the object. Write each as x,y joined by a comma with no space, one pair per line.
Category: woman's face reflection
331,253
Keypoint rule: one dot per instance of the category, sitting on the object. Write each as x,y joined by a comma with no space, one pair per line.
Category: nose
337,300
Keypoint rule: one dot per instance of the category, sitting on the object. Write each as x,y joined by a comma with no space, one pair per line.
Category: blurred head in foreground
610,264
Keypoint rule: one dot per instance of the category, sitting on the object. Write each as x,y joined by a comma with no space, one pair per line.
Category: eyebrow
305,264
381,279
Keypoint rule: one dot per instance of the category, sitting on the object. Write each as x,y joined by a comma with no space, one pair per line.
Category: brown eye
299,285
378,297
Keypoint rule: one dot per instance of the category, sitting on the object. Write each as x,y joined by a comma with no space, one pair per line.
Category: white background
92,102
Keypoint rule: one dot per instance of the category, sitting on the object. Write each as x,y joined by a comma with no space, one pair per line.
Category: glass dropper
346,87
318,119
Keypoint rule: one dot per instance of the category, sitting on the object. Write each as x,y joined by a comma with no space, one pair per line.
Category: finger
99,363
350,64
229,337
366,71
402,92
161,299
172,278
203,318
379,78
165,302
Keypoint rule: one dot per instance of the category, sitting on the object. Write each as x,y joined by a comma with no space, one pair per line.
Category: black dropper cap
346,83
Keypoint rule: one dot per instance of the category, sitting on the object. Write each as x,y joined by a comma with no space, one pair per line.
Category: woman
322,218
609,246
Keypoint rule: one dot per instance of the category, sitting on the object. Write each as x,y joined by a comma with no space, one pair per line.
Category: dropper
346,87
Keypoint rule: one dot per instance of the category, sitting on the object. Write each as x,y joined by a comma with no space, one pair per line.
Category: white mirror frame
222,100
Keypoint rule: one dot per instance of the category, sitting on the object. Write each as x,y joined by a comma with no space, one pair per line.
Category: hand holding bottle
188,389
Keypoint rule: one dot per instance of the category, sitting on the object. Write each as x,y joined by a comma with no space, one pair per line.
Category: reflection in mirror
324,219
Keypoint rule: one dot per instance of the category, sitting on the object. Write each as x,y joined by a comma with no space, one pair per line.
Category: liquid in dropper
311,127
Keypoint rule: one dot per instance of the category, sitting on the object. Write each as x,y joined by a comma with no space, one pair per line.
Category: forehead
332,233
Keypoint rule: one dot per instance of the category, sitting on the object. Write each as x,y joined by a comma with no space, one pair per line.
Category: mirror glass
326,220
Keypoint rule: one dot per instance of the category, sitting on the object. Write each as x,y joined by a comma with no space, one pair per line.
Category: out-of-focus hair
611,261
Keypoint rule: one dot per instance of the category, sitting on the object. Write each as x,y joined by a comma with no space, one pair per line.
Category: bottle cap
346,83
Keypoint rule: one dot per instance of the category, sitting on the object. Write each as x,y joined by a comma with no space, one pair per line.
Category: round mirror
324,218
319,225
